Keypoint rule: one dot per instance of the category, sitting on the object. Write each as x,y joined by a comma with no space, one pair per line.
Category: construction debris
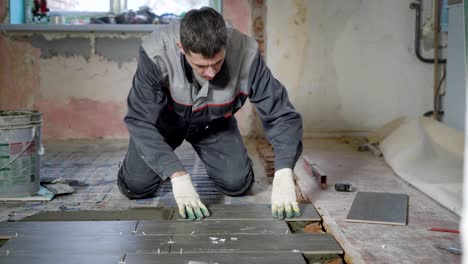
59,188
267,155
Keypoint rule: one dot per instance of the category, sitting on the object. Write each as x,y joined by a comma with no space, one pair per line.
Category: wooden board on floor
256,212
304,243
226,258
381,208
195,228
69,228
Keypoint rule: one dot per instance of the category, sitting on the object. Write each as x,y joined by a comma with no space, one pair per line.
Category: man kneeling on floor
191,78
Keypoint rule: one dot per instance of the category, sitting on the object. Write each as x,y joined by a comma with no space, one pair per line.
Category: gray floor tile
95,215
256,212
216,227
85,245
223,258
68,229
382,208
60,259
305,243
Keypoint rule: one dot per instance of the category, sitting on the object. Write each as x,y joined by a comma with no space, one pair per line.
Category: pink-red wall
238,13
81,95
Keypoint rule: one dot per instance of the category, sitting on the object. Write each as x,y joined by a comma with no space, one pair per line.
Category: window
78,6
102,11
117,6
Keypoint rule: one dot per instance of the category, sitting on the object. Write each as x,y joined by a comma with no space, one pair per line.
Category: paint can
20,151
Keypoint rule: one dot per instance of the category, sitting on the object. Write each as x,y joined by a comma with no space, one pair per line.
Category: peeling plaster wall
73,79
3,10
80,81
348,65
238,14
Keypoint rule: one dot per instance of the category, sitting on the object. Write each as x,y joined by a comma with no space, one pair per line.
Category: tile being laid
304,243
225,258
379,208
215,227
256,212
67,228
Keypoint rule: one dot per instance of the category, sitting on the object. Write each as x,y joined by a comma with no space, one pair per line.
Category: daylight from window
168,6
157,6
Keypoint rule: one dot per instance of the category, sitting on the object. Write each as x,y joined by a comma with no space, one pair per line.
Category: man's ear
180,47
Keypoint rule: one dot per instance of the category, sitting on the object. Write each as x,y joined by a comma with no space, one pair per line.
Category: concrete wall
80,80
348,65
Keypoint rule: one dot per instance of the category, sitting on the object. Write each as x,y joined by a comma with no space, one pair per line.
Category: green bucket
20,150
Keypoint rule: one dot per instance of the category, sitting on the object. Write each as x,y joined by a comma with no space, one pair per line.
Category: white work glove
283,195
187,198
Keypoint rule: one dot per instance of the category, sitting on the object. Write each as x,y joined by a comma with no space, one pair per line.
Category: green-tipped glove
283,195
187,198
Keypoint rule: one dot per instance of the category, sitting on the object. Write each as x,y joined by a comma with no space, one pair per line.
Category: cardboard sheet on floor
379,208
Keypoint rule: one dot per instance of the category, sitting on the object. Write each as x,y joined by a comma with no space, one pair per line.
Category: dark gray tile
255,212
304,243
224,258
85,245
94,215
383,208
60,259
215,227
68,229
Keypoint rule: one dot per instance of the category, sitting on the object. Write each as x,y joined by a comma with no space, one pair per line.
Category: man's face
207,68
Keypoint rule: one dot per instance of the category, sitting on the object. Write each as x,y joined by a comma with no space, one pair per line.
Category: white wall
348,65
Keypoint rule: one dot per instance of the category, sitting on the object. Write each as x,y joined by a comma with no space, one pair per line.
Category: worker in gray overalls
192,77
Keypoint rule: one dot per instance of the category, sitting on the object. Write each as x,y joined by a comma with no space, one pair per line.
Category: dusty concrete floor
96,164
377,243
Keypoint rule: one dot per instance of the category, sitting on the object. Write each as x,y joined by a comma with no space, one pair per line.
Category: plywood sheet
216,227
383,208
304,243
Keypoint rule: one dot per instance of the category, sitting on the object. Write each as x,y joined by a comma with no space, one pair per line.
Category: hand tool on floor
343,187
316,171
453,250
444,230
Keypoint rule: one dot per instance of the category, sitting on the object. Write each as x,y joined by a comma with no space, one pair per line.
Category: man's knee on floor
135,189
235,184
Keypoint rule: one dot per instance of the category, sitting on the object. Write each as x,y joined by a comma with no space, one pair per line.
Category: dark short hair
203,31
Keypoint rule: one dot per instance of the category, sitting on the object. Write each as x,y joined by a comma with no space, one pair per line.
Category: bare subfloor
376,243
95,165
